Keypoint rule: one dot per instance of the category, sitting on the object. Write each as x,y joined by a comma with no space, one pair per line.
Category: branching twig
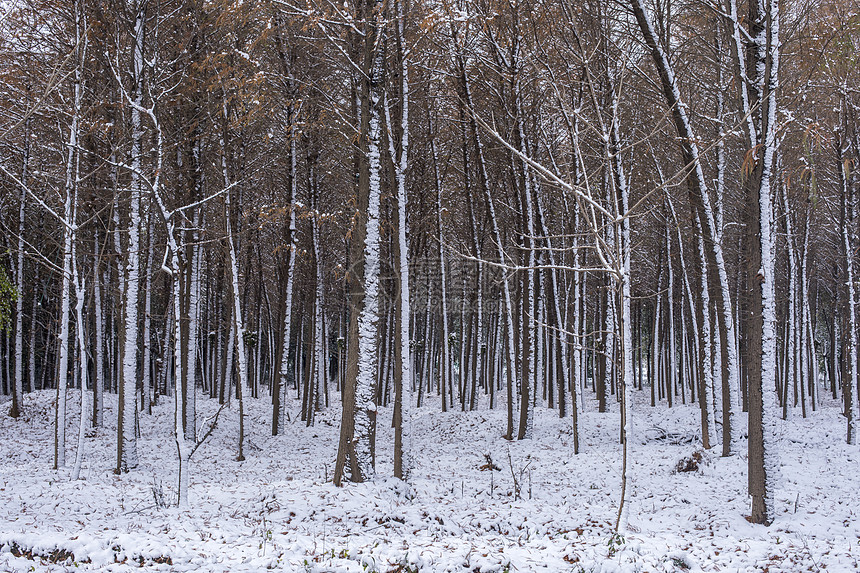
208,432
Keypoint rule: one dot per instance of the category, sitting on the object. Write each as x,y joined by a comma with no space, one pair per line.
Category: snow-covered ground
278,509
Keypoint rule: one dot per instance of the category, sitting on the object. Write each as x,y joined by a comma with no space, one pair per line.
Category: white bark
128,383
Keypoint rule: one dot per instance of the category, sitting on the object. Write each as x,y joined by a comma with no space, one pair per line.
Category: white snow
278,509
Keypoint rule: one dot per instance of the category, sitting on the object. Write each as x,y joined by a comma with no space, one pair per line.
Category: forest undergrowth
475,502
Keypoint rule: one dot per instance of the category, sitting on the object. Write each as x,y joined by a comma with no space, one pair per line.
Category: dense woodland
460,204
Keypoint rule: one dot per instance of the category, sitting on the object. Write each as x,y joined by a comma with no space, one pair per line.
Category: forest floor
278,509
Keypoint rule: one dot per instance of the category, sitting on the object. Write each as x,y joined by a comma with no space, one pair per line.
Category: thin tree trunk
701,198
126,420
279,390
850,365
445,369
18,387
238,326
68,252
80,289
146,402
403,348
98,356
510,366
359,411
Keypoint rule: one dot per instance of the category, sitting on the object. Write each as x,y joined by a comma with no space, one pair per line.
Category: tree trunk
126,420
359,411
